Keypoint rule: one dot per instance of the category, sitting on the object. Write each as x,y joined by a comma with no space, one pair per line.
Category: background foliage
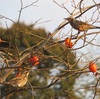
21,37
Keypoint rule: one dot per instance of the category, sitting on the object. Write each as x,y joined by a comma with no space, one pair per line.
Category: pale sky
44,9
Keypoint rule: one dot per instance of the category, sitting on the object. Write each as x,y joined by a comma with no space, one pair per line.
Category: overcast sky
45,9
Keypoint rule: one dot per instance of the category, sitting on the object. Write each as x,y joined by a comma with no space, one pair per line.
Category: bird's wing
15,79
80,22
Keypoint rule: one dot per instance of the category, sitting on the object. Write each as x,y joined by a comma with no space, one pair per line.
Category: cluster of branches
13,61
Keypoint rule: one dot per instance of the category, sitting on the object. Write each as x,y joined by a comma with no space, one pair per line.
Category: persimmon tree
53,59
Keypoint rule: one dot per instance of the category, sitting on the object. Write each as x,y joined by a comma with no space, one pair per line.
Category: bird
19,81
80,25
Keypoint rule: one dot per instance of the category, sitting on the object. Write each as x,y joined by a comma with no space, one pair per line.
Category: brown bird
79,25
19,81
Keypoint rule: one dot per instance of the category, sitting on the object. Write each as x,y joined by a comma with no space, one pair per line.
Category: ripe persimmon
68,42
34,60
18,74
0,40
92,67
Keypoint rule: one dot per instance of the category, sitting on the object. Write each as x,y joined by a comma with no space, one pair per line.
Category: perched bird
20,80
79,25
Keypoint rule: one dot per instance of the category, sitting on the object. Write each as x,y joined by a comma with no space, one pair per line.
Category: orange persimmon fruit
34,60
68,42
18,74
92,67
0,40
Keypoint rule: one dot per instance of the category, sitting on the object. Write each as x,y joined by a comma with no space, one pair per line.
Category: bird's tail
97,27
94,27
